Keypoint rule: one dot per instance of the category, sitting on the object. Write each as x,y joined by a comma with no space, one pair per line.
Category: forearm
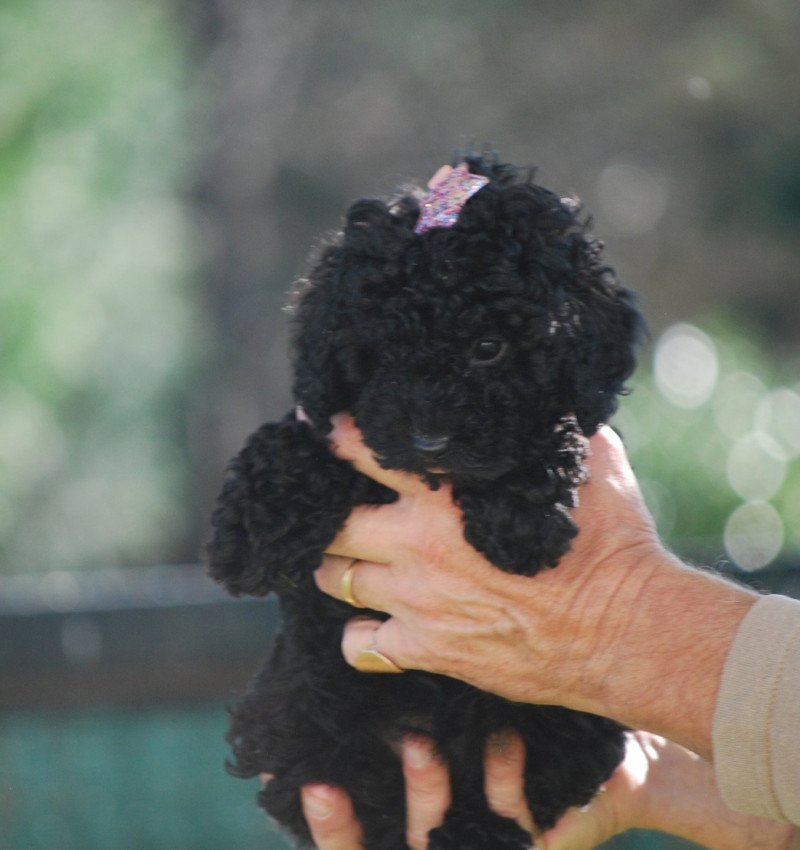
716,827
670,636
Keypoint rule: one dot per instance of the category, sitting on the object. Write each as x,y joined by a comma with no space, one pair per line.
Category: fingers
362,633
427,789
381,532
608,457
348,444
613,810
367,580
370,532
504,767
333,825
612,491
380,587
607,441
330,817
580,829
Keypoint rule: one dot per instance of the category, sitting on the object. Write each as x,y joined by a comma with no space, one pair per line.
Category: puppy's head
456,347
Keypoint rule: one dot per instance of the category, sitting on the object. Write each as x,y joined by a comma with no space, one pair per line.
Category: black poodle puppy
482,352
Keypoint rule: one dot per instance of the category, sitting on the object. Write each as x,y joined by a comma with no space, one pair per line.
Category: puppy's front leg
516,531
283,501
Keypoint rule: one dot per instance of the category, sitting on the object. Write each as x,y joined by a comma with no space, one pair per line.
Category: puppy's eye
487,352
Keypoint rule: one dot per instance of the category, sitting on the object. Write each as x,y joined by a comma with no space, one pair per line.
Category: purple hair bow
450,188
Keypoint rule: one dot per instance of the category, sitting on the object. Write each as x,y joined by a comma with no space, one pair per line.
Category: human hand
659,786
455,613
329,812
665,787
618,615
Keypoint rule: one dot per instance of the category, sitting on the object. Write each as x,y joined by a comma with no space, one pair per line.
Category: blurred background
165,167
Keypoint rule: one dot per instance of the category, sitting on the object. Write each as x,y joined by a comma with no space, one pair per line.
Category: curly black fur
484,355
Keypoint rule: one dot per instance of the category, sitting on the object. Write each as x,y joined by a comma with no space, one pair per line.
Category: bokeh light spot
756,467
778,415
699,88
686,366
736,400
753,535
633,199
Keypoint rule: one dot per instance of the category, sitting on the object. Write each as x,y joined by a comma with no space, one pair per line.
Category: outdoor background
165,167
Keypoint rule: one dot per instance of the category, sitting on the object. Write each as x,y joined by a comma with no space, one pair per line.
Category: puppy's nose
430,444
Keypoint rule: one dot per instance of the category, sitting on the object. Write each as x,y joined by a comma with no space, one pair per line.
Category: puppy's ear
236,557
320,346
340,298
604,333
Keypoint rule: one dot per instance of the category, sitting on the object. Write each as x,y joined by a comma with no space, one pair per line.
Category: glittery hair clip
449,190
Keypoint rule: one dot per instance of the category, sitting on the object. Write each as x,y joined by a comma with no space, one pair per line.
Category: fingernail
499,742
318,801
418,753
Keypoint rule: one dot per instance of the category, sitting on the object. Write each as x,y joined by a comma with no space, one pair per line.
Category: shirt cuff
756,733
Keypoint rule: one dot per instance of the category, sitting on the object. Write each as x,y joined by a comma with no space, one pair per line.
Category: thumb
580,829
382,636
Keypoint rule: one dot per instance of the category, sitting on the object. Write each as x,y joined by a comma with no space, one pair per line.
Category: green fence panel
124,749
149,779
117,780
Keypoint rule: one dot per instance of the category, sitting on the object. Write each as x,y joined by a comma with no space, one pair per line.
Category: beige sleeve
756,734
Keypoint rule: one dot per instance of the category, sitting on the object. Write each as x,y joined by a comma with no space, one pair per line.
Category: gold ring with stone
369,660
346,586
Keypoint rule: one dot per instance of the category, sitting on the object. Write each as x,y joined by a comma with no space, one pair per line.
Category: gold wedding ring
369,660
346,586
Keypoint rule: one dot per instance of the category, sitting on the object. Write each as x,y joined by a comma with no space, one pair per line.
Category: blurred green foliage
97,328
125,123
712,425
